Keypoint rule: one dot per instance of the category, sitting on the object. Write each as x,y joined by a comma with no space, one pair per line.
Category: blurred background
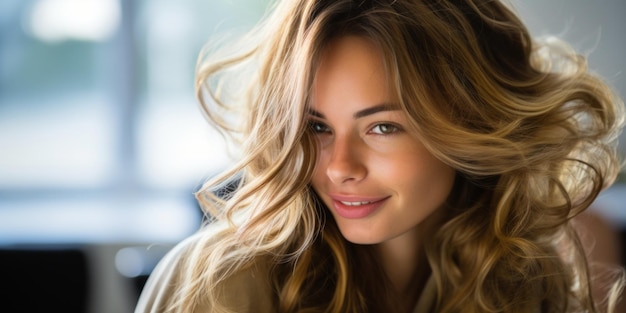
102,143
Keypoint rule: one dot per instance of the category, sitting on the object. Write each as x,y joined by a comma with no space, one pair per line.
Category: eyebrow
365,112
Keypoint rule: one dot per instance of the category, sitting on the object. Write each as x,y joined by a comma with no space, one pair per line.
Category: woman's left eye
384,129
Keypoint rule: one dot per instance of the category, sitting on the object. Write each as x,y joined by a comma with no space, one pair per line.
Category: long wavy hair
531,133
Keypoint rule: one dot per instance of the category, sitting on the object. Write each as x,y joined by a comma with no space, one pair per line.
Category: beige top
248,291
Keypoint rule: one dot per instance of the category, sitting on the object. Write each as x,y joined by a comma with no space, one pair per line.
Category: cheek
421,174
315,180
319,172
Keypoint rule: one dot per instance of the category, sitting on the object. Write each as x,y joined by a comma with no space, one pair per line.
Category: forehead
351,68
356,53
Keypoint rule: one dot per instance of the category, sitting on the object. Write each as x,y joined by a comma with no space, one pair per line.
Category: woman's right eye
318,127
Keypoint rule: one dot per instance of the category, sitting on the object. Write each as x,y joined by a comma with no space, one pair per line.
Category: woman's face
378,181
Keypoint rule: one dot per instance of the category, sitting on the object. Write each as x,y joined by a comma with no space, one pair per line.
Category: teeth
355,203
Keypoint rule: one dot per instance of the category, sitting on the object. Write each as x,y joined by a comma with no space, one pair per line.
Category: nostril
344,169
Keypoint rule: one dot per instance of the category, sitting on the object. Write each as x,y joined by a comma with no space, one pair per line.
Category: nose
346,161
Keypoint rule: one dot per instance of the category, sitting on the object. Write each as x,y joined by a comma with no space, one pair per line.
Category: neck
404,261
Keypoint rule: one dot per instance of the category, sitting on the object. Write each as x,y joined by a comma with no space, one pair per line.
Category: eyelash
318,128
394,129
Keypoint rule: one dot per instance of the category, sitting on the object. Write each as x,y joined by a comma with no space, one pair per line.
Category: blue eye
384,129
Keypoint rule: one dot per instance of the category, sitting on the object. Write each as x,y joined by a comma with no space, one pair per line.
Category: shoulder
165,279
248,290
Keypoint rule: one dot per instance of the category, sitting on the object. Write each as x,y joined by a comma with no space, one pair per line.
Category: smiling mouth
356,203
357,209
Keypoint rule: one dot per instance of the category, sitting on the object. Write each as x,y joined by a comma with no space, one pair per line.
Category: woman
397,156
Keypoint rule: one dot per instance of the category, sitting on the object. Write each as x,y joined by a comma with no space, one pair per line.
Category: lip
355,207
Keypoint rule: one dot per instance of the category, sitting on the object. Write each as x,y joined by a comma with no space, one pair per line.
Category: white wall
595,27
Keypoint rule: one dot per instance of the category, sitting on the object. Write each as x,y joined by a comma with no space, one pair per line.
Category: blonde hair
531,133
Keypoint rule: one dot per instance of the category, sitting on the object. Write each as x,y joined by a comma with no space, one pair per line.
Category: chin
360,237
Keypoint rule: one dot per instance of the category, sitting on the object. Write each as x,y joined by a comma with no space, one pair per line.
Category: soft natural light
57,20
67,142
177,147
97,220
